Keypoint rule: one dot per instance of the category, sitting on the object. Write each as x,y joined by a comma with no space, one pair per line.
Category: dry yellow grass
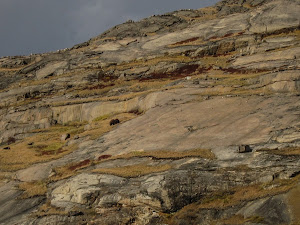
47,146
224,91
10,69
101,124
104,117
47,209
73,168
237,195
133,171
69,170
239,220
199,41
283,151
32,189
294,204
21,156
294,33
236,79
150,62
144,87
202,153
40,82
5,176
221,61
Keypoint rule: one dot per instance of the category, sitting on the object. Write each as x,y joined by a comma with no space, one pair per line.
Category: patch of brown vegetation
102,157
33,189
150,62
101,125
231,70
47,209
293,31
100,86
133,170
294,204
69,170
47,146
239,220
187,41
214,38
290,151
202,153
184,71
80,164
132,89
223,200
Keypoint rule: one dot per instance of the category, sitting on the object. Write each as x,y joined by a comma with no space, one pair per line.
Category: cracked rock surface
189,88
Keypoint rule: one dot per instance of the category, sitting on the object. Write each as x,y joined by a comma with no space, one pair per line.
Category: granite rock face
190,88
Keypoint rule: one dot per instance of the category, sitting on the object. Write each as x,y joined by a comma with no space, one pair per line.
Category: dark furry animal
114,122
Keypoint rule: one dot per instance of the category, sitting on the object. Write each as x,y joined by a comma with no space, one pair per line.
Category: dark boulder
244,149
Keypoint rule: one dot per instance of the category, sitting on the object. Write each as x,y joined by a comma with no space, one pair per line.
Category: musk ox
114,122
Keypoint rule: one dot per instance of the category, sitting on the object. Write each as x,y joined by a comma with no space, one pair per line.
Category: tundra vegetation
146,123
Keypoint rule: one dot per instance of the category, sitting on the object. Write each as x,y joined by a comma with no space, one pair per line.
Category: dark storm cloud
34,26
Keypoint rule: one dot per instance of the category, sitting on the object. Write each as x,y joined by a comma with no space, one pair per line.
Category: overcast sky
36,26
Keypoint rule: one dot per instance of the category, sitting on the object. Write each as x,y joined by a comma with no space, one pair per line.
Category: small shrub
186,41
11,140
101,157
136,111
80,164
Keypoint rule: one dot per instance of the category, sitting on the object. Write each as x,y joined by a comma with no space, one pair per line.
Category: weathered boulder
64,137
244,149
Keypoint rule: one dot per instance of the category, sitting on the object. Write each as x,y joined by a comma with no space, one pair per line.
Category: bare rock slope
192,117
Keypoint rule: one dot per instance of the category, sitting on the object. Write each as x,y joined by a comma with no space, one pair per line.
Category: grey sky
35,26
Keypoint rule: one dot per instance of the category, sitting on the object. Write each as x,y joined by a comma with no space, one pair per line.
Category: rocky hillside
192,117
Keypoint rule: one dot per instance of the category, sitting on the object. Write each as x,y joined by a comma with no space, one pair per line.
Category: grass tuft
289,151
203,153
33,189
237,195
133,171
